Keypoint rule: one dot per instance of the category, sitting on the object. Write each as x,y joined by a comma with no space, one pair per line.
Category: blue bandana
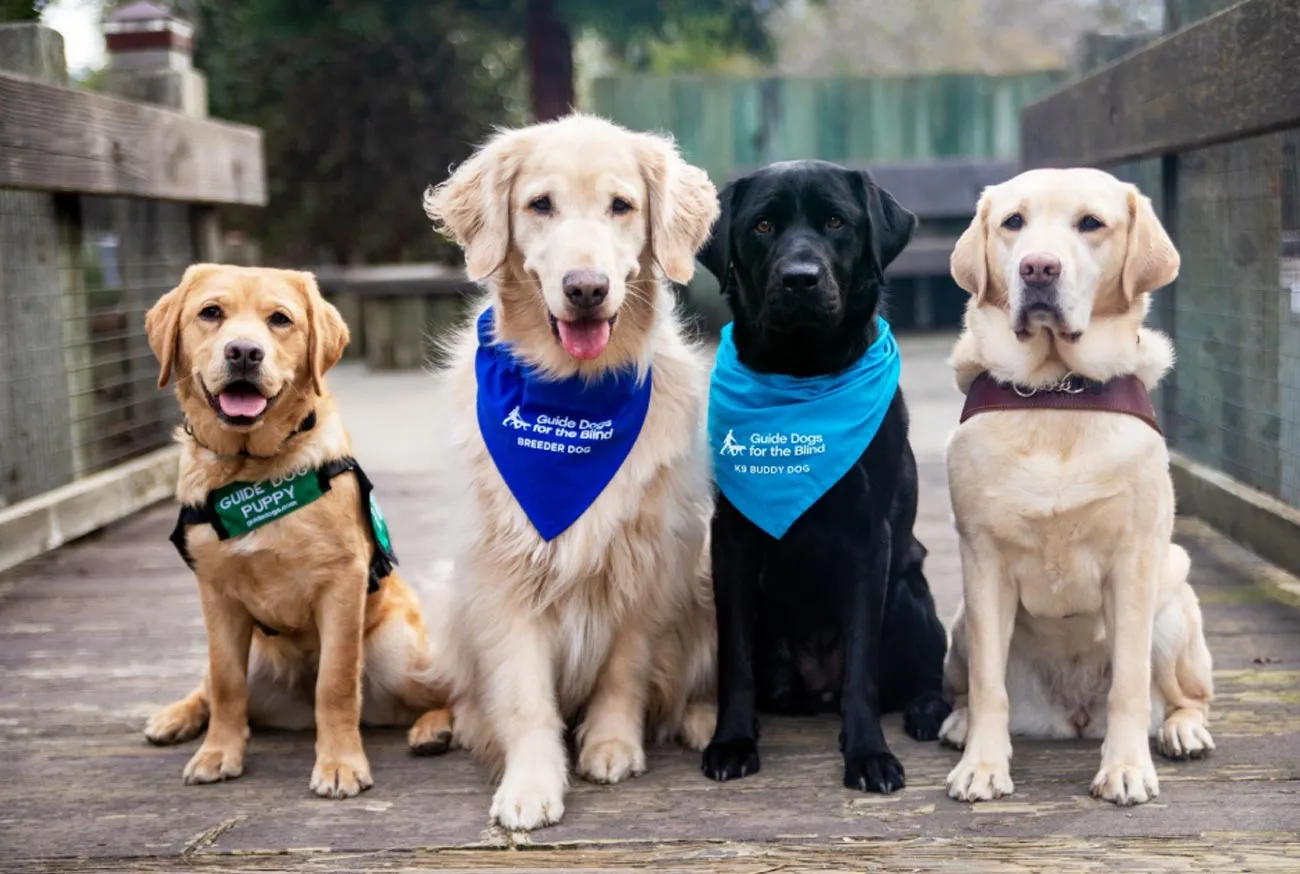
557,443
780,442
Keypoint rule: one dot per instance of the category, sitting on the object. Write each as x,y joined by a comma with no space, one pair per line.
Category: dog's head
1058,248
248,345
570,220
800,251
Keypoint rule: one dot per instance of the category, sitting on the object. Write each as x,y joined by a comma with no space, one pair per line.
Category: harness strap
1123,394
382,558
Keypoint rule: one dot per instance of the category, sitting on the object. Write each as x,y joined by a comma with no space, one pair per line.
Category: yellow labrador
573,226
1078,620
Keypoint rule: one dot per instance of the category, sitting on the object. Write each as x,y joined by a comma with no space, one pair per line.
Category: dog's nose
586,289
801,277
1040,269
244,355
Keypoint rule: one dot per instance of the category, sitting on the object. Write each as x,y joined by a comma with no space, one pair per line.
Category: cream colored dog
610,622
1078,619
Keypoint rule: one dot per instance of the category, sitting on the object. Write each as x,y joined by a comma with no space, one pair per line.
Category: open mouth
240,403
584,339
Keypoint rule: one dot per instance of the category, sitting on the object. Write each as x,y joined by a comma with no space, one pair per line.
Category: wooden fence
103,203
1207,121
727,123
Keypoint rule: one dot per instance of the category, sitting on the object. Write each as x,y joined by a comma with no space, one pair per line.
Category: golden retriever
285,605
611,621
1078,619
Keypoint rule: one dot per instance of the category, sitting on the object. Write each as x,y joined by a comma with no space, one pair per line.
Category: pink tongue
584,340
242,404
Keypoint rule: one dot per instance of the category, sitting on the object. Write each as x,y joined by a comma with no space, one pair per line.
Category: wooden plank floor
95,636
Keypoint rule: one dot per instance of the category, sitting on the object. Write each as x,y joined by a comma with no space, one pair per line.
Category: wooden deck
97,635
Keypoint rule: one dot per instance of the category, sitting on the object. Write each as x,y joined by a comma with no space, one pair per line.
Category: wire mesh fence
77,377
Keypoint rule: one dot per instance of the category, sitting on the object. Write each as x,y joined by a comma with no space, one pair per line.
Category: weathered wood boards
1232,76
63,140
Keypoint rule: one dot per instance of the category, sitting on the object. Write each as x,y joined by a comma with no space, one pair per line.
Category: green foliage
21,10
362,105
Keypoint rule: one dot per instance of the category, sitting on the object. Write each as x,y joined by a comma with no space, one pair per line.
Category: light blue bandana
780,442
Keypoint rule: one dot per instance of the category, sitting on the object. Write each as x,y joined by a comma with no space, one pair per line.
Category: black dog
836,612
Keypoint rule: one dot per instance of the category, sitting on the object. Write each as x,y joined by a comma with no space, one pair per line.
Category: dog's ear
969,263
716,254
162,324
682,205
1151,261
891,226
327,333
473,206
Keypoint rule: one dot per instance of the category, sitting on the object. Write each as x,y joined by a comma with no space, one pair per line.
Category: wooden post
35,412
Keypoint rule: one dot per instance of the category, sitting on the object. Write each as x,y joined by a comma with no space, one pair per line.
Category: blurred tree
363,103
20,10
634,29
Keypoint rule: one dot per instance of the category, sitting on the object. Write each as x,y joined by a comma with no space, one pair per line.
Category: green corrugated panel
688,101
832,132
716,140
746,125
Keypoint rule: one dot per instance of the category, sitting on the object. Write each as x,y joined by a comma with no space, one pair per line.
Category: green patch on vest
243,506
379,525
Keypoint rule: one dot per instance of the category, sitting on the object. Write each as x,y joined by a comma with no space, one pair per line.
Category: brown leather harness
1123,394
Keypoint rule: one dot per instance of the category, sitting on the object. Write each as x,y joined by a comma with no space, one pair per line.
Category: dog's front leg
1127,774
230,633
518,695
611,739
990,605
869,766
737,567
342,769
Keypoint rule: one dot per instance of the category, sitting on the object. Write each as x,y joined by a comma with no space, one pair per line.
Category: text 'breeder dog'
1078,620
821,602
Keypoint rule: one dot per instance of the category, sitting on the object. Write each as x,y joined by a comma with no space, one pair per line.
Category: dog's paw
611,761
212,764
1184,735
925,715
731,760
953,731
431,735
975,780
1126,783
341,777
176,723
698,725
873,772
528,799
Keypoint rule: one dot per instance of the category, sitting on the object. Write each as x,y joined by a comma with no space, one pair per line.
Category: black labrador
837,613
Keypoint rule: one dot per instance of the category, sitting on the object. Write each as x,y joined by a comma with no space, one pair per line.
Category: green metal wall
726,124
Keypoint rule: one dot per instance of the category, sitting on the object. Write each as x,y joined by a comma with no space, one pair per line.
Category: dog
827,606
1077,620
290,550
577,410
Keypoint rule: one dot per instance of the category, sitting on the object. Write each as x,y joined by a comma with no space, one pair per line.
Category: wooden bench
396,311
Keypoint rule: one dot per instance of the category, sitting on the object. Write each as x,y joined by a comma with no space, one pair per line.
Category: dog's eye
1014,222
763,226
620,206
210,313
1090,223
834,222
279,320
540,205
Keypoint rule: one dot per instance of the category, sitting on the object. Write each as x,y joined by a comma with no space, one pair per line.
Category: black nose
586,288
244,355
801,277
1040,269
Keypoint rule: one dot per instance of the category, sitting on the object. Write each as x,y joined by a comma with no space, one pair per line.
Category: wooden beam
1231,76
64,140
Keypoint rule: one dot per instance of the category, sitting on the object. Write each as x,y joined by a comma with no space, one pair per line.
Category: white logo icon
730,447
516,421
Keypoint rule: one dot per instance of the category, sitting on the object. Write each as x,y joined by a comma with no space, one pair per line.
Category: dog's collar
1123,394
304,426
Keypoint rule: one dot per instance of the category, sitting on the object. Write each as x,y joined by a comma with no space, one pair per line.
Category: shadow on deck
95,636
